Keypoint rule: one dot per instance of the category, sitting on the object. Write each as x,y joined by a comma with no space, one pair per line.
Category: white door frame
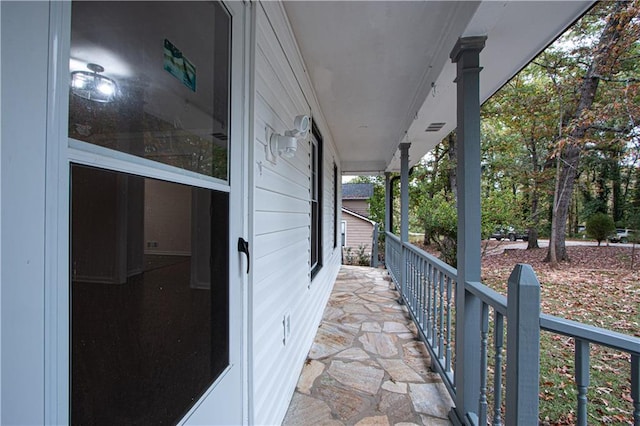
61,152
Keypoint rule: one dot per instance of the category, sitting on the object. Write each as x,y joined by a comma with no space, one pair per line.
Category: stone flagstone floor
366,365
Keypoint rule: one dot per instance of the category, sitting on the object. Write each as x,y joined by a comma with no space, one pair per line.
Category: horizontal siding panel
273,181
265,244
277,60
271,267
268,201
268,86
267,222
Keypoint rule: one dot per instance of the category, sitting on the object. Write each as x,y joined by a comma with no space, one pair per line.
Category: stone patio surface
367,365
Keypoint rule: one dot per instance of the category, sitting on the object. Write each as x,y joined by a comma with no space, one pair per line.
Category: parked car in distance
510,234
623,236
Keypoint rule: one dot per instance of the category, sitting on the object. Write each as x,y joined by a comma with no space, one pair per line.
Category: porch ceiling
382,73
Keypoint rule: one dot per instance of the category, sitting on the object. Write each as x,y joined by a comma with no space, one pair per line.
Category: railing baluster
423,286
434,321
441,328
448,357
498,337
414,282
410,279
635,388
484,333
428,312
582,378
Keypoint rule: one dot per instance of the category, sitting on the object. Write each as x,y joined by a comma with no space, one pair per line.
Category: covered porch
384,118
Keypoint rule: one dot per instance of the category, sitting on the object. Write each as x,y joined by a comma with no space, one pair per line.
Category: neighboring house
357,228
357,232
170,220
355,197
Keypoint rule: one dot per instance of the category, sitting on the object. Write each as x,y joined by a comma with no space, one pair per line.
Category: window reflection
149,297
170,64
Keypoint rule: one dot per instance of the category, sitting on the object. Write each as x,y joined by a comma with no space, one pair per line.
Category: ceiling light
93,86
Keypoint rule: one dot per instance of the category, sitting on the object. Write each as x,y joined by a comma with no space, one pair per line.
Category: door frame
61,152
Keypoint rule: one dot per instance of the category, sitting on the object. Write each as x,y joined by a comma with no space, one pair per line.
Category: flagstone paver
366,365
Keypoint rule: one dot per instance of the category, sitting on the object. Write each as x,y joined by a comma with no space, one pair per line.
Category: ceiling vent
434,127
220,136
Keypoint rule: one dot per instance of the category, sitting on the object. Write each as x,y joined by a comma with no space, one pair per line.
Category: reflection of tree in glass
126,128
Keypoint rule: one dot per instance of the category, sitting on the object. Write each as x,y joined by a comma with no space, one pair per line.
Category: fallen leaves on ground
596,287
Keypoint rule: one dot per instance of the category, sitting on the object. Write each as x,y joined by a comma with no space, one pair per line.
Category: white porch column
404,212
466,54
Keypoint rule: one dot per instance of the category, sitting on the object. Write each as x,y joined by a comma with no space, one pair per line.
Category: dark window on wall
335,205
316,201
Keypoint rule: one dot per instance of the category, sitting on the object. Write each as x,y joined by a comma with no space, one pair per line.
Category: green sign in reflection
179,66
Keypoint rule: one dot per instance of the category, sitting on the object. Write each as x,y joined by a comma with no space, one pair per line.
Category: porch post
387,202
374,247
466,54
404,212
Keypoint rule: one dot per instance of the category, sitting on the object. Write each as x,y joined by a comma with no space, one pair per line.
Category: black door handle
243,247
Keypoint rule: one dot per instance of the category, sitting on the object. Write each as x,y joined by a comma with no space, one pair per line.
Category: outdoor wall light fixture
287,144
93,86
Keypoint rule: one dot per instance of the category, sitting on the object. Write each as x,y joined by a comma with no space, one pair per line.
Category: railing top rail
392,236
488,296
589,333
442,266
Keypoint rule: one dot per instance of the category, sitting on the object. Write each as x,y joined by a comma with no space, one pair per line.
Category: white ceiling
382,73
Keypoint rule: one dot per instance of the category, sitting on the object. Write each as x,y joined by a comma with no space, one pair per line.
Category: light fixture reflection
93,86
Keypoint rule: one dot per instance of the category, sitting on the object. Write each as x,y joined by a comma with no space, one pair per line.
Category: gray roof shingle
357,191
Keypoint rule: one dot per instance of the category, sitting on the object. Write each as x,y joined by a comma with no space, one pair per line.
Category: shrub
600,226
364,258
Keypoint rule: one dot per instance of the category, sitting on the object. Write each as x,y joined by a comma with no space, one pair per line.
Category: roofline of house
359,216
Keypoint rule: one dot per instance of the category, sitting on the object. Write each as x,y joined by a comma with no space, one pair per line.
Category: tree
604,63
518,126
600,226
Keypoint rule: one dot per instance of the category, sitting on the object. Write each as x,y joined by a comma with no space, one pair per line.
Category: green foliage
500,209
600,226
360,257
440,223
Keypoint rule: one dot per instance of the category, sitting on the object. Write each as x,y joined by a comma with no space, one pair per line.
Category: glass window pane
149,296
152,79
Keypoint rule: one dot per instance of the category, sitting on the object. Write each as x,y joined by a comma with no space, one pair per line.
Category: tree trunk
532,241
452,151
569,156
616,184
566,176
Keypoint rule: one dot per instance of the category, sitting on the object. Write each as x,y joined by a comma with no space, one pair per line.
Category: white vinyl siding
281,223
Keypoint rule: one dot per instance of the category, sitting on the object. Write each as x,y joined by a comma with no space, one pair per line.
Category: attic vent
434,127
220,136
